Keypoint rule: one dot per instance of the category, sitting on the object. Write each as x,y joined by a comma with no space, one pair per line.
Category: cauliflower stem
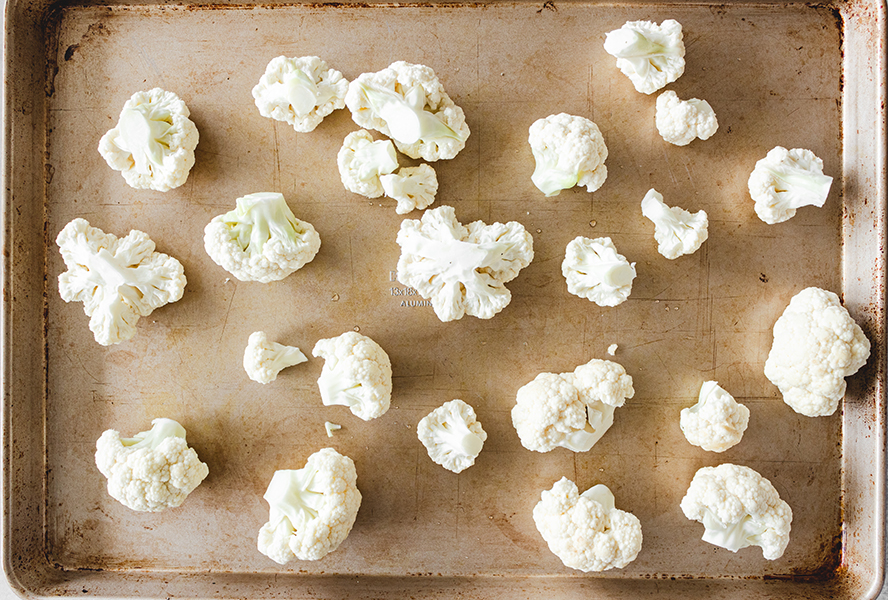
736,536
407,120
259,218
161,429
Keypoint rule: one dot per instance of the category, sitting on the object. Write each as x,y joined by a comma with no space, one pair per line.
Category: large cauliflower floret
786,180
153,143
408,103
152,470
311,510
595,271
680,122
118,280
650,55
677,231
717,421
462,269
263,360
413,187
569,151
299,91
361,161
816,345
739,508
452,435
585,530
357,373
261,240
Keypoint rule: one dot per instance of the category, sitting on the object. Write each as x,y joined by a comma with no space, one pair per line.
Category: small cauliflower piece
462,269
331,427
570,410
407,103
310,510
716,422
786,180
586,531
153,143
118,280
650,55
452,435
677,231
357,373
595,271
263,360
739,508
152,470
361,161
680,122
816,345
261,240
569,151
413,187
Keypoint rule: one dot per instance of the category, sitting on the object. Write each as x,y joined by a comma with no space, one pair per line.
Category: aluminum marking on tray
409,296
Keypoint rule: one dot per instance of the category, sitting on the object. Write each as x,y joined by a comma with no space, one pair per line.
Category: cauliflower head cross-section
118,280
413,187
680,122
595,271
650,55
716,422
263,360
786,180
462,269
361,161
677,231
569,151
452,435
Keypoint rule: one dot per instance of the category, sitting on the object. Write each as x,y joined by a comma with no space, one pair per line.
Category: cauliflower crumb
612,349
331,427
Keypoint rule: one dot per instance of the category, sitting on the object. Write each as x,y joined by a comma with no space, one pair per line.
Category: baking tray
794,74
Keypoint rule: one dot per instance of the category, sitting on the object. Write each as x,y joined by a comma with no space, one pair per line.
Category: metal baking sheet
791,74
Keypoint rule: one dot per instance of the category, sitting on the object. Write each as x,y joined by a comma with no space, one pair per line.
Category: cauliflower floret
152,470
786,180
462,268
153,143
569,151
263,360
739,508
677,231
413,187
650,55
717,421
585,530
595,271
299,91
680,122
261,240
408,103
357,373
816,345
118,280
361,161
570,410
311,510
452,435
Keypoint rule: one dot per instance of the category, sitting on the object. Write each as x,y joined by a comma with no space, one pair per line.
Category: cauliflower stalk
816,345
361,161
152,470
413,187
263,360
452,435
586,531
677,231
311,510
118,280
680,122
786,180
650,55
462,268
594,270
569,151
153,143
717,421
261,240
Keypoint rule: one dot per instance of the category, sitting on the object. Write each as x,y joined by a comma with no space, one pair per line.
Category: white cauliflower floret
680,122
263,360
407,103
786,180
650,55
569,151
153,143
677,231
570,410
152,470
586,531
594,270
310,510
717,421
357,373
361,161
462,268
452,435
739,508
816,345
299,91
118,280
413,187
261,240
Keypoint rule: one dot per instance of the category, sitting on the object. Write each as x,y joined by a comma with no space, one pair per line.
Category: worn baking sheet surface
773,76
